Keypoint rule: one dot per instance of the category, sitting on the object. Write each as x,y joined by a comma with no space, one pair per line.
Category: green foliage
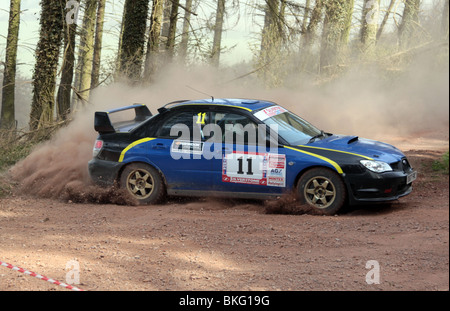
442,164
5,186
13,150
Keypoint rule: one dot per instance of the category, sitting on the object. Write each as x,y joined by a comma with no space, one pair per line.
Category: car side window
177,124
236,128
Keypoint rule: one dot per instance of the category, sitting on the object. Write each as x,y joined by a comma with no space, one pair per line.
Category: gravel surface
206,244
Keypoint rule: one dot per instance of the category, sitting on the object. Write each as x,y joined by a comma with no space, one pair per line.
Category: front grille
396,166
402,165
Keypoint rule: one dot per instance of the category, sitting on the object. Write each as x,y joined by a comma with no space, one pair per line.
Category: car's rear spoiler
102,122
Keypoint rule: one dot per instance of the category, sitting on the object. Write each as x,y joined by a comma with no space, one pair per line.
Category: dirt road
221,245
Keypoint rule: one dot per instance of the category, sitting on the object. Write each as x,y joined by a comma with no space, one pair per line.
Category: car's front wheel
143,183
323,190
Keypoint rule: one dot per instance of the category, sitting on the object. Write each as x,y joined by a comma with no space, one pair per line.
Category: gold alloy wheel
320,192
140,183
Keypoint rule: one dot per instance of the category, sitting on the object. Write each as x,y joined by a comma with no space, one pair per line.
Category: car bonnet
359,146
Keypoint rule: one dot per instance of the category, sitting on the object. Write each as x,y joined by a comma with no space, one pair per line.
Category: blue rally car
243,149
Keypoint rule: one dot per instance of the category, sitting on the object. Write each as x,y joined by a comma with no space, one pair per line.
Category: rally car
243,149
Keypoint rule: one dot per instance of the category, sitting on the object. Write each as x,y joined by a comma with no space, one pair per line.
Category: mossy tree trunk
8,119
369,25
409,24
47,54
336,30
133,39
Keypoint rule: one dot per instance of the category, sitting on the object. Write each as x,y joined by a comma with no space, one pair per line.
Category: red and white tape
7,265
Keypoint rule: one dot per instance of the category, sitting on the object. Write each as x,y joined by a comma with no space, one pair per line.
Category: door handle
159,146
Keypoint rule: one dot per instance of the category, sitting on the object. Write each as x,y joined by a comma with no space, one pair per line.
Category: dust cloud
361,102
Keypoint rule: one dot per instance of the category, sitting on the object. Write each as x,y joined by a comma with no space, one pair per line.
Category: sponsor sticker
269,112
276,170
185,146
262,169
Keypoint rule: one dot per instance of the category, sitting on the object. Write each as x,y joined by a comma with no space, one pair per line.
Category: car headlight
376,166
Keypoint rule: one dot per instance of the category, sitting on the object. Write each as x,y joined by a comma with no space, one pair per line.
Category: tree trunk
304,25
271,60
444,22
335,33
409,23
270,33
308,60
385,18
218,29
119,49
152,58
8,118
348,15
65,86
133,38
369,24
182,50
165,25
86,51
170,44
311,30
98,44
47,53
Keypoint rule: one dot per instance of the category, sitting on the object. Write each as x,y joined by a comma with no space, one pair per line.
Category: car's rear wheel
143,183
323,190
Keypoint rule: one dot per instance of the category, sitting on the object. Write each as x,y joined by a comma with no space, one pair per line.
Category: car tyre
144,183
323,190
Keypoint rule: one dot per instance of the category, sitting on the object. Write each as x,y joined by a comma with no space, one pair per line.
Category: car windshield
292,128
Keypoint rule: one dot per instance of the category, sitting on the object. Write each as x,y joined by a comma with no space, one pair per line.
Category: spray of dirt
360,102
58,167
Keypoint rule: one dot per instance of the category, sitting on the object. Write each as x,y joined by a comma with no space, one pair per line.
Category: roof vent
250,102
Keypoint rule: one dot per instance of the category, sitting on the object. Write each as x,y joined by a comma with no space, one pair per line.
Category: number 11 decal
260,169
249,166
201,118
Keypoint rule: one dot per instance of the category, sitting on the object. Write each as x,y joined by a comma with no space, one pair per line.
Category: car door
244,164
178,150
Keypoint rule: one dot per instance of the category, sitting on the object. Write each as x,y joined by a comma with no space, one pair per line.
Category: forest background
378,67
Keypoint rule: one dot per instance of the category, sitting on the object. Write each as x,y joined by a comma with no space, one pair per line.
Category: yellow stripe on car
137,142
355,154
334,164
